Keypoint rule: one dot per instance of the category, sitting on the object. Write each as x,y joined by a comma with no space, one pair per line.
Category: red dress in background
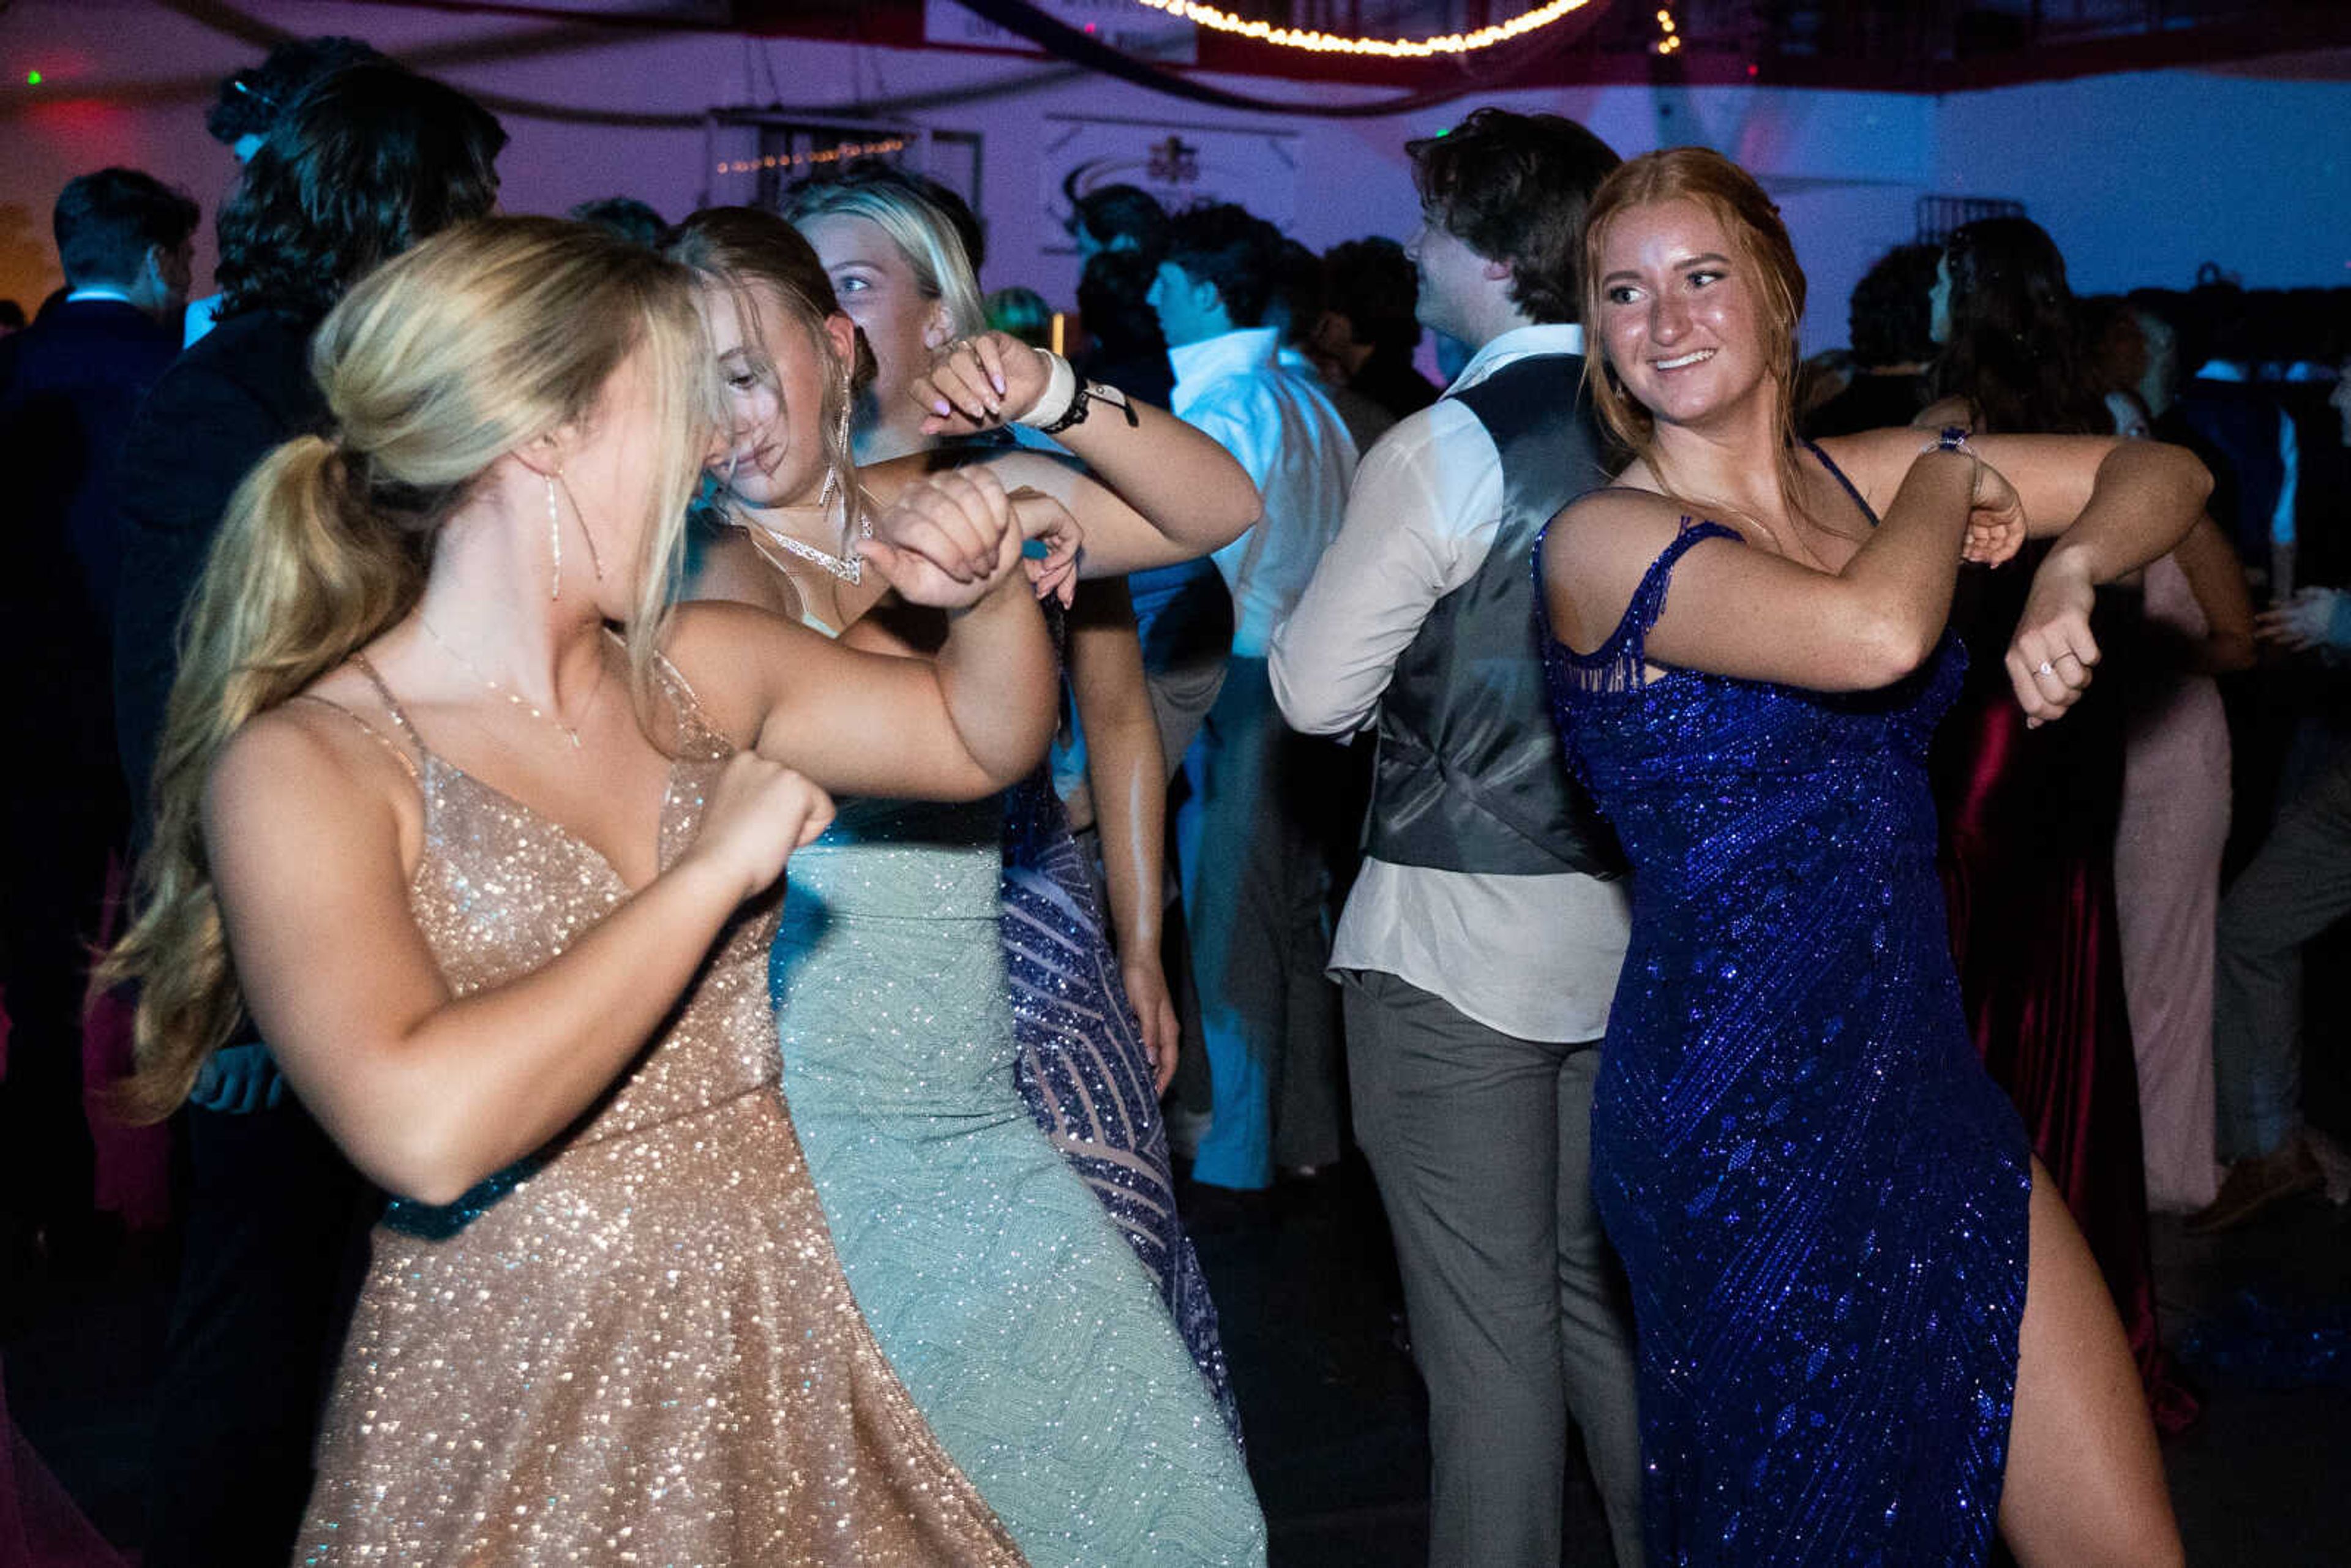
2028,822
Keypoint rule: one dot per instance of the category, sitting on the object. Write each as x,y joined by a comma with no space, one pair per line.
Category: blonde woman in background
489,878
1032,1339
1083,881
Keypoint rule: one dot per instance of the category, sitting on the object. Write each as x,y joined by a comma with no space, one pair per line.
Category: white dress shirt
1283,430
1534,956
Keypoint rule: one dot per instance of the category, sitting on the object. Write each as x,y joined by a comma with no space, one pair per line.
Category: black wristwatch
1088,392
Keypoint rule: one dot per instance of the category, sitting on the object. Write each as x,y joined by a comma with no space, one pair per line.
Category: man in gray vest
1480,947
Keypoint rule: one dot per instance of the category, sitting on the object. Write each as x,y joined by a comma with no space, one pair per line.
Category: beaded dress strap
1621,663
373,733
1839,475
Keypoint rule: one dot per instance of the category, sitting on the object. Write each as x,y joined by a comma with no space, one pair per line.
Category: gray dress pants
1482,1144
2297,885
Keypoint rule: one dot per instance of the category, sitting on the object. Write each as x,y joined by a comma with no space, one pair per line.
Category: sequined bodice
501,889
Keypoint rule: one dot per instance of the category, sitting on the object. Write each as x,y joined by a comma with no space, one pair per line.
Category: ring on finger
2044,668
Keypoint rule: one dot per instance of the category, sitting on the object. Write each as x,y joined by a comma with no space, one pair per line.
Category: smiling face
878,288
775,374
1680,317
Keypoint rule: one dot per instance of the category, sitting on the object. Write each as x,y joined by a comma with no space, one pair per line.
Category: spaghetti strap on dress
1818,1195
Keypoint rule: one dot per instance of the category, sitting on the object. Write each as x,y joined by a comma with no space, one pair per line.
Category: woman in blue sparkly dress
1868,1333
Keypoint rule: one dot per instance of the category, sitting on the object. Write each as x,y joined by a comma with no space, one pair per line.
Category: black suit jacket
68,386
244,388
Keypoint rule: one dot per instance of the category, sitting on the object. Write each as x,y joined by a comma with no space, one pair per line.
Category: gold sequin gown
639,1348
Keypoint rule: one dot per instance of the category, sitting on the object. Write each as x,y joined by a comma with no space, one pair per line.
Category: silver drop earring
839,454
554,541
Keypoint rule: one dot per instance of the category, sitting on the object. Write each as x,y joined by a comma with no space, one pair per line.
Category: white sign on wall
1182,165
1123,25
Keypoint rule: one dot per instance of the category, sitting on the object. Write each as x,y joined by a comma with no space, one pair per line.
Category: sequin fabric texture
640,1348
1083,1072
1033,1339
1818,1195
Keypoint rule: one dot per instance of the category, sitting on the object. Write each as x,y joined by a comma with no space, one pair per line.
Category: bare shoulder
1607,524
1594,554
305,761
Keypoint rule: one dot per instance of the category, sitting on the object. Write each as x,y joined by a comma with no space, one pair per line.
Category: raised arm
427,1092
1151,493
968,722
1736,610
2113,506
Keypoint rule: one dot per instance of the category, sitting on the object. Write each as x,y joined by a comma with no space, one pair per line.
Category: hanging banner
1182,165
1121,24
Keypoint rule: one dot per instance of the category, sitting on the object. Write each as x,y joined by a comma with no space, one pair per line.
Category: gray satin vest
1471,777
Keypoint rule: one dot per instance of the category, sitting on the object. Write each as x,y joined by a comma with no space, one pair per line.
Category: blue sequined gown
1083,1072
1818,1195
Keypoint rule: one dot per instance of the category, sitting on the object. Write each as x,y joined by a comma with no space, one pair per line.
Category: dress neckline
434,759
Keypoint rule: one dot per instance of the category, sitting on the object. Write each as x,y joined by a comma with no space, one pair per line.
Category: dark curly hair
366,164
1515,188
254,99
2013,350
1228,246
1890,321
1373,284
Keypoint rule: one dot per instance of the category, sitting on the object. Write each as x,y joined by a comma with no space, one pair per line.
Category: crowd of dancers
649,757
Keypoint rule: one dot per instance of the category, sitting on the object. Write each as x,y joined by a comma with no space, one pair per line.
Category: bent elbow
426,1163
1889,649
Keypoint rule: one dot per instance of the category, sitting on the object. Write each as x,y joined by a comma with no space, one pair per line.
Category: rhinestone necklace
849,569
532,708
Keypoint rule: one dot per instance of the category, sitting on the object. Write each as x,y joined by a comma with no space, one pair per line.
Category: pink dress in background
2175,817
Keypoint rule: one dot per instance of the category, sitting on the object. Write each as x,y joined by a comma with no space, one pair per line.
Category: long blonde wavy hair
467,347
1760,247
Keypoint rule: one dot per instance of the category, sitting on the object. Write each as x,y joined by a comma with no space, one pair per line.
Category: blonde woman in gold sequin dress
1031,1336
489,879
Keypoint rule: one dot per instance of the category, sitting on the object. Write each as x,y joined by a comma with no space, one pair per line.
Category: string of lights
841,153
1517,27
1669,40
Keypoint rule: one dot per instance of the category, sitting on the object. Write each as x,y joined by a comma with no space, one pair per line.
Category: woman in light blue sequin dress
1032,1339
1868,1333
1091,1008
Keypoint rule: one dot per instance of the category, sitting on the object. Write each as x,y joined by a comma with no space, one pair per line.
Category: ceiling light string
1321,43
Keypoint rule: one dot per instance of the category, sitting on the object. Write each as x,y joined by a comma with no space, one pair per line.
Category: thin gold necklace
524,703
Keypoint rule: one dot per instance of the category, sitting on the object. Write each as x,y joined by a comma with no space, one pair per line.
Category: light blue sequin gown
1818,1195
1010,1304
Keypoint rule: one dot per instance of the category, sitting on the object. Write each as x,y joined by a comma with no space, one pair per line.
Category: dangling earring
595,556
840,454
554,541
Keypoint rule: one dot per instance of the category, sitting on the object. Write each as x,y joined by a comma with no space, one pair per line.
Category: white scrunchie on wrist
1061,392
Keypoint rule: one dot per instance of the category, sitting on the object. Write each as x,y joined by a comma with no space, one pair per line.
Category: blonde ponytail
435,367
301,575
